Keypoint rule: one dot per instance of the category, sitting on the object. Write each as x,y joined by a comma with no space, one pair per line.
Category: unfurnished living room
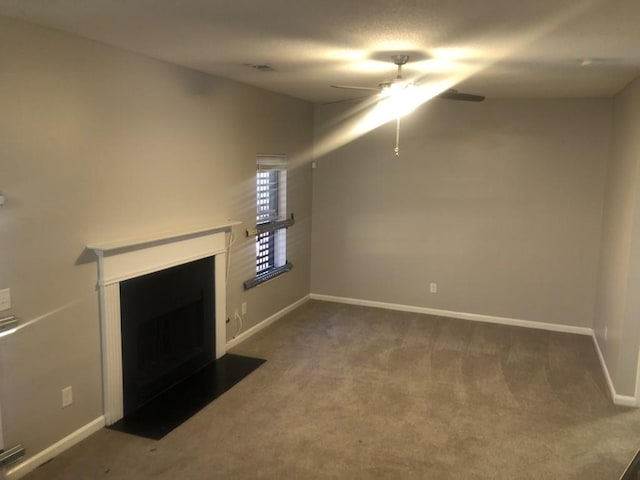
302,239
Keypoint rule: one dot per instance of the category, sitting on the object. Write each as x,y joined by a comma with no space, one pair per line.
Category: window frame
271,222
267,212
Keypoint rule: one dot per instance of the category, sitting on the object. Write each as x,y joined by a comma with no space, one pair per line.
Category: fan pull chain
397,149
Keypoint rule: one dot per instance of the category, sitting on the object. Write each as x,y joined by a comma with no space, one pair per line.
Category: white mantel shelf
103,249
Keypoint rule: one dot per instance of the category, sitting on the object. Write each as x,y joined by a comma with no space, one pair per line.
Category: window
271,221
267,193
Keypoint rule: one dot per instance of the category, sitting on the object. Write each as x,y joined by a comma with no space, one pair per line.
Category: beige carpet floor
358,393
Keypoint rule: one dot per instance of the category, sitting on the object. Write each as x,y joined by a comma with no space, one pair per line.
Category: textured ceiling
498,48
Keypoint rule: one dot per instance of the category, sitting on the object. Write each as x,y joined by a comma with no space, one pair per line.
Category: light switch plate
5,299
67,396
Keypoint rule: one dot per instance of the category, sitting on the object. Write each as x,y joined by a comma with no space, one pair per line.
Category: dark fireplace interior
169,365
168,329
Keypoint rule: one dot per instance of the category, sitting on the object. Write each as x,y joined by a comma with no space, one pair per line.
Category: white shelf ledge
104,249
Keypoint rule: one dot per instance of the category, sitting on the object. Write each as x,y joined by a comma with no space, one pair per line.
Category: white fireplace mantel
122,260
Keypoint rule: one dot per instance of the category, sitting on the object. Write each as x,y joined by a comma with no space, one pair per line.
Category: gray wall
618,300
99,144
500,203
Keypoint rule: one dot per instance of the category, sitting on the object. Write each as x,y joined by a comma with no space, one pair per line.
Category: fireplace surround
123,260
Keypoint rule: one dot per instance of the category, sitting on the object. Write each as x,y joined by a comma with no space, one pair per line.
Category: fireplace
190,312
167,325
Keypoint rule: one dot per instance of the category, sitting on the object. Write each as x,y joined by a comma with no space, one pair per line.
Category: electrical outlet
5,299
67,396
433,287
244,308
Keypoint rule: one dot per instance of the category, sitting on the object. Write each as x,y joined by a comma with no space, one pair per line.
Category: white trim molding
123,260
265,323
622,400
452,314
165,237
30,464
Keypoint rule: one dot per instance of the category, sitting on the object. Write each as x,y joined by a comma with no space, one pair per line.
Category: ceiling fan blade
452,94
346,100
349,87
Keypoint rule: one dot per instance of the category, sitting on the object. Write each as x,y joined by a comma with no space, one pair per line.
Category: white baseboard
622,400
461,315
20,470
265,323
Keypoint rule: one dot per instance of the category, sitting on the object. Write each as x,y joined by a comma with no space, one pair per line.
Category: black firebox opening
168,329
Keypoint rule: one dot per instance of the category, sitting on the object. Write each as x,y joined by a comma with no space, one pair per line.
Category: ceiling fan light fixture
388,89
400,98
394,105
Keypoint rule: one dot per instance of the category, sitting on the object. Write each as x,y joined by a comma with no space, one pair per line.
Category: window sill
268,275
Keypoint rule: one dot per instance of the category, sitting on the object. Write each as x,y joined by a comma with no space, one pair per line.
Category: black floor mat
168,410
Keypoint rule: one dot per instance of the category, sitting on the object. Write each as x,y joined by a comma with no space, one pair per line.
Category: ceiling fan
399,89
399,82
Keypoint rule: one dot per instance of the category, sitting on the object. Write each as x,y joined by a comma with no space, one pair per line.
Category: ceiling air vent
262,67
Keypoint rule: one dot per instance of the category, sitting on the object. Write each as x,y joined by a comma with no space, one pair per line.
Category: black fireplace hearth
180,402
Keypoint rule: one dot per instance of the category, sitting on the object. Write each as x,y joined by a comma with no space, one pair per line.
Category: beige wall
617,306
98,144
500,203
